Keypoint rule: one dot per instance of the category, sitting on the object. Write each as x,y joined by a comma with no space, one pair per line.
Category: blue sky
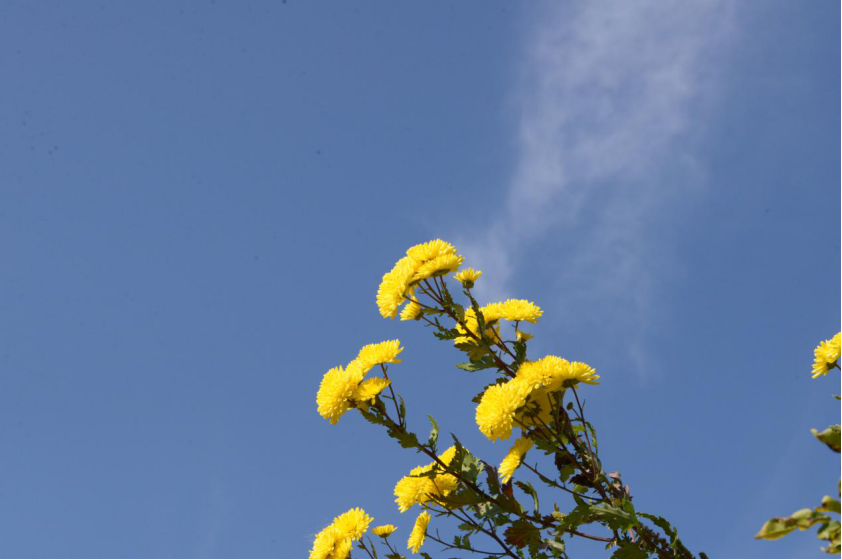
197,201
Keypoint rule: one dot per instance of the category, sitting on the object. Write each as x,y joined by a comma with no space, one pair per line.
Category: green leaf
522,533
629,550
830,437
402,408
529,489
465,497
664,525
434,433
492,480
614,517
556,546
447,334
477,365
458,310
407,440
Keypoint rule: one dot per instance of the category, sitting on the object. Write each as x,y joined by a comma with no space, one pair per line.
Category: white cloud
612,97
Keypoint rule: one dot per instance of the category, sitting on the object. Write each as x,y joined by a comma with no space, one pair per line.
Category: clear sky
198,199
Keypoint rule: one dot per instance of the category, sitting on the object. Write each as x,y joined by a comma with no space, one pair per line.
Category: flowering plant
497,512
826,358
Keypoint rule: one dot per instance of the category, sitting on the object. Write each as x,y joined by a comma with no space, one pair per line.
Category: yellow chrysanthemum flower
381,353
353,523
438,266
394,286
337,389
384,530
496,411
430,250
468,276
415,489
512,310
514,458
411,311
523,336
554,373
826,354
368,390
541,398
325,544
419,532
421,261
336,540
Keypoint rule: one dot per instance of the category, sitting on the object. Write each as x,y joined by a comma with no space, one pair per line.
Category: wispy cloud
612,98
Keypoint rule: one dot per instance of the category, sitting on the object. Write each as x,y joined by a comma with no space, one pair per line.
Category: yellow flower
381,353
496,410
336,540
430,250
826,355
337,389
541,398
411,311
523,336
384,530
353,523
555,373
468,276
514,458
438,266
368,390
393,288
419,532
415,489
512,310
325,544
421,261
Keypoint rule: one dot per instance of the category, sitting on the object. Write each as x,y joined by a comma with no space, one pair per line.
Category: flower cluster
434,258
510,310
425,483
530,395
336,540
826,355
496,413
343,388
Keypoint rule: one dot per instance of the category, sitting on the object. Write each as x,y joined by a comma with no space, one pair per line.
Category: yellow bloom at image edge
419,532
336,540
826,354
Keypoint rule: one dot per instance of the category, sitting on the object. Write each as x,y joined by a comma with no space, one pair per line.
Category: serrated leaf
629,550
407,440
614,517
664,525
473,366
447,334
434,433
521,533
492,480
465,497
530,490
